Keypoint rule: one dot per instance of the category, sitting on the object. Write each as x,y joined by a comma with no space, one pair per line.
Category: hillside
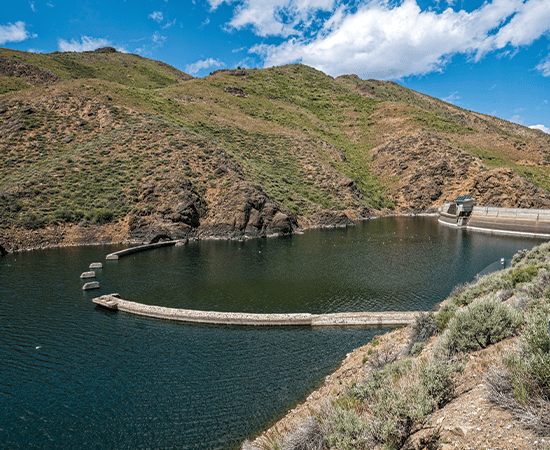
110,147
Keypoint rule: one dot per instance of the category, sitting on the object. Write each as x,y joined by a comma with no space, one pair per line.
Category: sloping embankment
388,318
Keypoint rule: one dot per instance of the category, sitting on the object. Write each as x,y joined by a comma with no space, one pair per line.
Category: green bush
399,398
523,275
437,381
417,349
100,216
347,430
445,314
483,323
32,221
486,285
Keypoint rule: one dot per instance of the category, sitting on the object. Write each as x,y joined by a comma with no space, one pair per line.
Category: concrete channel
385,318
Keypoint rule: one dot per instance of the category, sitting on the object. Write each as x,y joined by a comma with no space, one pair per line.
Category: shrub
437,381
424,327
483,323
445,314
523,275
308,436
346,430
32,221
399,398
417,349
486,285
518,257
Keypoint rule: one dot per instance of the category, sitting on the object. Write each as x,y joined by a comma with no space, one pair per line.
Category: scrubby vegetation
400,392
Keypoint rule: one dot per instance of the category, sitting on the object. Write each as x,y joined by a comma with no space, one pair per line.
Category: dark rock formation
105,50
3,251
235,90
331,219
32,74
245,211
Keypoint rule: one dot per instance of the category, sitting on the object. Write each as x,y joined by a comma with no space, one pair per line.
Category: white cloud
32,6
168,24
156,16
86,44
541,128
202,64
157,38
544,67
275,17
13,32
387,38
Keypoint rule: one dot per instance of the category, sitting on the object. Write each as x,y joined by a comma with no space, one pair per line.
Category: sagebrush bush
486,285
424,327
399,398
417,349
346,430
437,380
308,436
445,314
483,323
522,275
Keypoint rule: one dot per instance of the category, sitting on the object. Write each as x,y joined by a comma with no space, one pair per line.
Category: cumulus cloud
385,39
13,32
276,17
541,128
202,64
86,43
156,16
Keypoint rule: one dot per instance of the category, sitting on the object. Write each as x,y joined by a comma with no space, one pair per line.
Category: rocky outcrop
32,74
504,187
331,219
428,172
3,251
246,211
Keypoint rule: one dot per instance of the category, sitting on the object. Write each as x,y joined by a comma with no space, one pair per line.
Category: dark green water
75,376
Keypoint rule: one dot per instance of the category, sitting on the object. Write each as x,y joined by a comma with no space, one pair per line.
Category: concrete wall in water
386,318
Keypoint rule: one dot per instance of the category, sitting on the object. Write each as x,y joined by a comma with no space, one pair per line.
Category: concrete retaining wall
227,318
510,221
504,221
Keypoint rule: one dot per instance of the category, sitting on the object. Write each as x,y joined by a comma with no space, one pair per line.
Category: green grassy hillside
100,137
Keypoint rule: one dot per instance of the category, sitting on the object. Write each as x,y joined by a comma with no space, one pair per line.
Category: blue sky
492,57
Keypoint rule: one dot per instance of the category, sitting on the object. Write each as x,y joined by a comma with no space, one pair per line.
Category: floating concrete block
90,274
96,266
91,285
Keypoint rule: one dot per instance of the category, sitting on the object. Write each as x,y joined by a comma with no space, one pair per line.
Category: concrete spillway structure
389,318
504,221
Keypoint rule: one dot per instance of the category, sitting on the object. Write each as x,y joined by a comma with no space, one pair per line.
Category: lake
76,376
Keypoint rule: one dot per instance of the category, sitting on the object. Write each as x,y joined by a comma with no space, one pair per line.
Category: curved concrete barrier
140,248
389,318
